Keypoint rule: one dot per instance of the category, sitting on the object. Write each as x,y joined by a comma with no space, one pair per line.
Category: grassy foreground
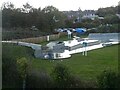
86,67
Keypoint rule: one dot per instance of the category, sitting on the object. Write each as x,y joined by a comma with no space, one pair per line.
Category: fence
40,39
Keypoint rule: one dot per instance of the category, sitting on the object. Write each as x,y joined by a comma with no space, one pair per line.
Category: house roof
88,12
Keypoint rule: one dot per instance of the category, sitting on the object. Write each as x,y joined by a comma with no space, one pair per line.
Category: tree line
28,16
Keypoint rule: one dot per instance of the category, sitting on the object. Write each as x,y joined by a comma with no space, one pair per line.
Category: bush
64,79
60,75
36,79
108,79
10,76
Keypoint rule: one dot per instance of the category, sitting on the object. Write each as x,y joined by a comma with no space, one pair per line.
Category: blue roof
80,30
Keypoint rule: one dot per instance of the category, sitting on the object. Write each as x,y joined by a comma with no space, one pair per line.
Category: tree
106,11
8,5
27,8
7,14
22,67
54,17
49,9
45,20
111,19
68,23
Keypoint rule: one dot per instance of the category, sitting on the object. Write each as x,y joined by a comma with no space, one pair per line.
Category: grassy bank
86,67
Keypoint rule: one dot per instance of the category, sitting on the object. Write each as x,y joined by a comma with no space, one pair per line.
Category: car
106,44
59,30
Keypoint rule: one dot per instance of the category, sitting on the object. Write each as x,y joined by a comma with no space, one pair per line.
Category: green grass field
86,67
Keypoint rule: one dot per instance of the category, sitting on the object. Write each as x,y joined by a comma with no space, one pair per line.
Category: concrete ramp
33,46
104,37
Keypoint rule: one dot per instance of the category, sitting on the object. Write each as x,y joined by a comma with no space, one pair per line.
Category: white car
106,44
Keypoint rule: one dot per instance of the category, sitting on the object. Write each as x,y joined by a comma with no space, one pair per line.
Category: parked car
106,44
59,30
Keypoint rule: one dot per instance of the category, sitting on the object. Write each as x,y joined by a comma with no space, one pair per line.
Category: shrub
108,79
60,75
10,76
36,79
64,79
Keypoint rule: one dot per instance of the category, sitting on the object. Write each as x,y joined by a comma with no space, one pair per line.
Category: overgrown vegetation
10,75
38,79
20,33
108,79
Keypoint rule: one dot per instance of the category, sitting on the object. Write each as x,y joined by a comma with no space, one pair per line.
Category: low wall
39,39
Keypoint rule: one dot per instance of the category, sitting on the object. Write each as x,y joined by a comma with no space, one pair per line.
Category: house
89,14
79,15
71,14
